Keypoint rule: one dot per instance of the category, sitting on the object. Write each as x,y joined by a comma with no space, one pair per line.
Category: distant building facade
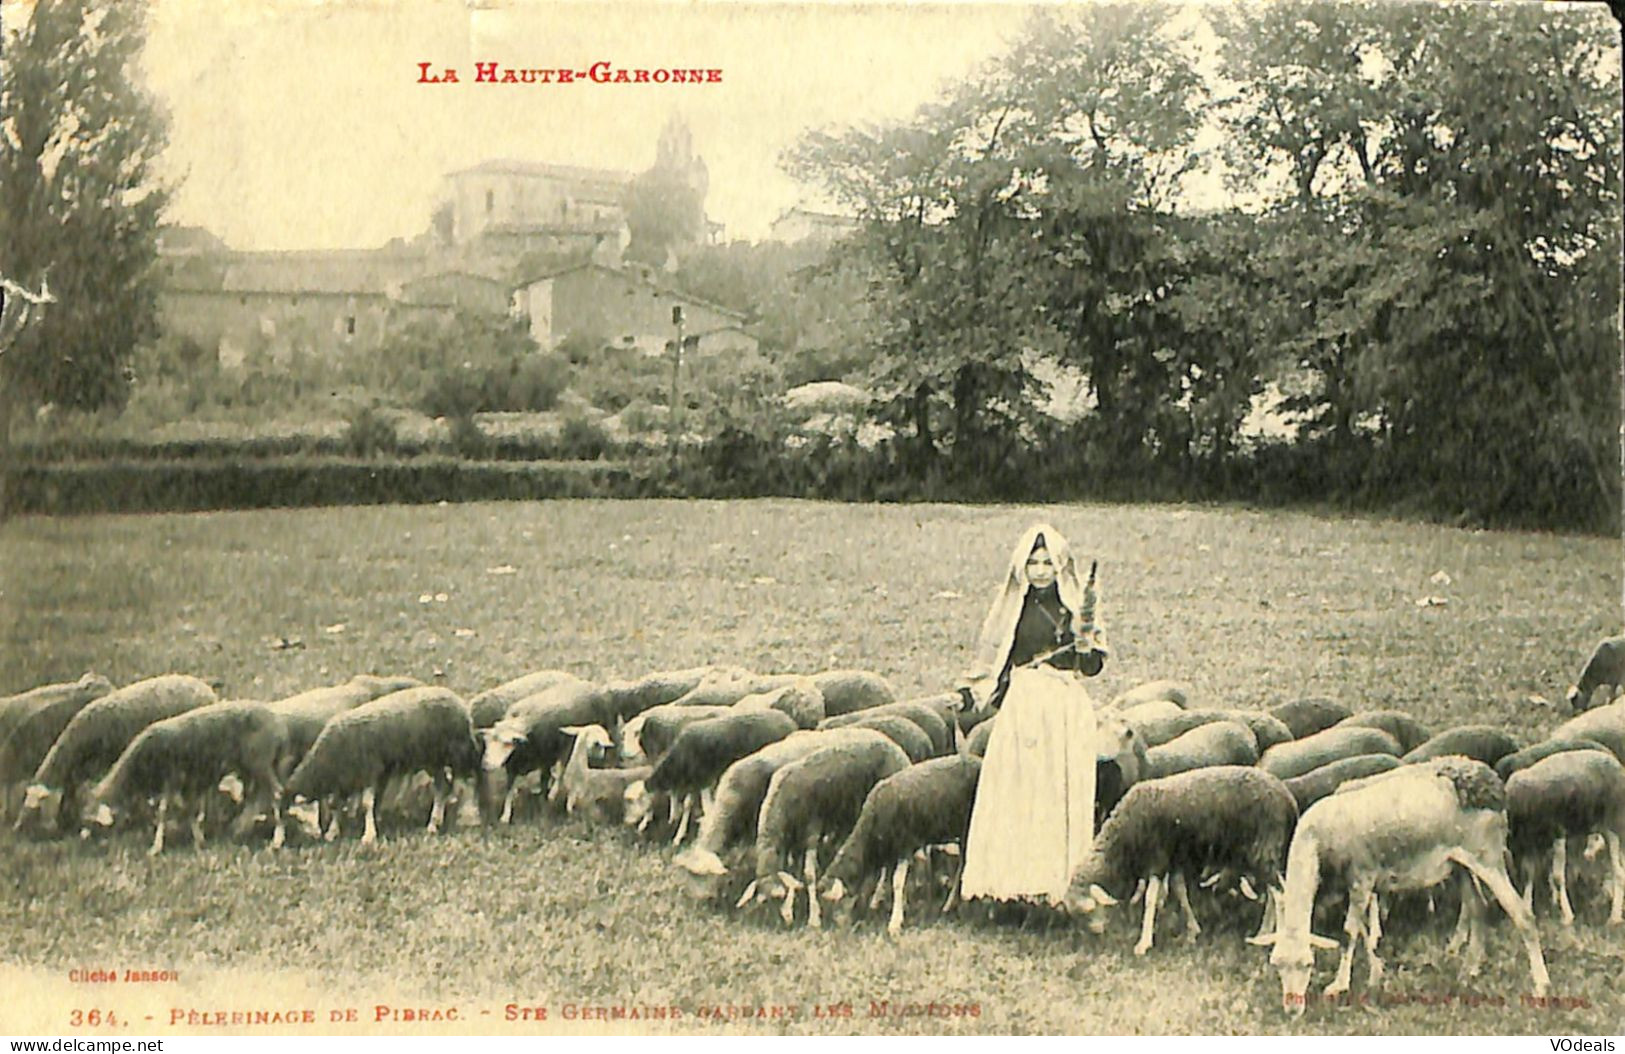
799,225
626,307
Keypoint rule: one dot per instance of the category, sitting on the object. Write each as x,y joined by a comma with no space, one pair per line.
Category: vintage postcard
537,519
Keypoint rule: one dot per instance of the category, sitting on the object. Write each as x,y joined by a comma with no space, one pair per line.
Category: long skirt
1033,822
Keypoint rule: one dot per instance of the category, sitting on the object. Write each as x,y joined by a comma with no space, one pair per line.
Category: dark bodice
1045,624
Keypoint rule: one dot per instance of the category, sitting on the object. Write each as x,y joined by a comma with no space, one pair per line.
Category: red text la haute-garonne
602,72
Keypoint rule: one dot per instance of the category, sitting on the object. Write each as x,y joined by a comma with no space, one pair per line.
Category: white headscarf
998,633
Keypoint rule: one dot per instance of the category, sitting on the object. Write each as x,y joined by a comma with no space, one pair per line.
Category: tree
79,199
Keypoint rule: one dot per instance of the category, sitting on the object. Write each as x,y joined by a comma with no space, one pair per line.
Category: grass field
1251,608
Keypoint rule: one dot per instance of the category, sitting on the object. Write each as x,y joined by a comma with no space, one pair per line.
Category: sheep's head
704,873
640,805
1086,900
1576,699
1295,962
500,744
95,684
42,806
782,886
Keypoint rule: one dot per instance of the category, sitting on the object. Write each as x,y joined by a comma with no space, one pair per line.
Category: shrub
583,438
468,440
370,432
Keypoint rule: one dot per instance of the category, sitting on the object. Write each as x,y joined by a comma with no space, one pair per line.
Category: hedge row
148,486
71,449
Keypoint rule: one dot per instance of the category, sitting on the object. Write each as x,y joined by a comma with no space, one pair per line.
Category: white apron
1033,822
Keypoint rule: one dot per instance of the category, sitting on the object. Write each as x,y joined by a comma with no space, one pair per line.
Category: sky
302,124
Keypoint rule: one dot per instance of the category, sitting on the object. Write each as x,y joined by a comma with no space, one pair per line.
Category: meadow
1252,608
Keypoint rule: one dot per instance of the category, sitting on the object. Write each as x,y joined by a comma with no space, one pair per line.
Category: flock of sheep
828,786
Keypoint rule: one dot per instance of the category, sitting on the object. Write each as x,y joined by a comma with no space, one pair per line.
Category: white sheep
399,734
1299,756
1216,743
1402,830
598,792
1176,692
1568,794
801,700
186,757
98,734
1406,730
1606,667
931,714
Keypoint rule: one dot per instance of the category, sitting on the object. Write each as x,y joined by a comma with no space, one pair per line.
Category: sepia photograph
636,517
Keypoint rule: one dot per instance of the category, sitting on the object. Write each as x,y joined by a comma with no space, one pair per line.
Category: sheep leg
1183,898
163,817
442,790
809,868
1560,878
197,821
1373,934
369,798
1148,923
953,887
331,832
878,897
682,824
1527,866
1464,917
1493,876
899,896
1353,927
1616,911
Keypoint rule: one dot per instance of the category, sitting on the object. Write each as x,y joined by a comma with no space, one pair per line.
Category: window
349,325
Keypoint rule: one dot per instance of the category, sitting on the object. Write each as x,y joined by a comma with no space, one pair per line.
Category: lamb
1176,692
700,755
1406,730
1519,760
32,721
1231,817
931,714
1305,717
530,735
1218,743
95,737
1403,831
816,798
1319,782
488,707
401,733
1574,793
1605,724
1606,667
923,805
186,756
601,793
738,801
1484,743
801,701
1301,756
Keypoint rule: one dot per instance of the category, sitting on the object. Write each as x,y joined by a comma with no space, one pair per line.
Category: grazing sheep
808,801
530,735
1157,710
1218,743
1288,760
1484,743
186,757
846,691
97,735
737,805
1606,667
726,685
900,730
1406,730
1317,783
1405,830
631,698
801,701
923,805
30,723
600,793
308,712
487,708
1176,692
1232,817
399,734
700,755
1160,730
651,733
1305,717
1605,724
1519,760
929,714
1574,793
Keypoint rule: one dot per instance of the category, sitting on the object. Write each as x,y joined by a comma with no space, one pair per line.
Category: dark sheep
652,732
1233,818
698,758
1406,730
187,756
1305,717
530,735
1605,668
488,707
1287,760
1317,783
33,721
1484,743
846,691
1522,759
1575,793
397,735
96,736
1218,743
923,805
930,714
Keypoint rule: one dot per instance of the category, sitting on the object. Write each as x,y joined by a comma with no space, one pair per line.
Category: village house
799,225
625,306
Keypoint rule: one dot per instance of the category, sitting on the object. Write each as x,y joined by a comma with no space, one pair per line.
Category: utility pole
674,416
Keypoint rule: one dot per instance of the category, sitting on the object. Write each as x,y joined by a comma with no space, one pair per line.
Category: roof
631,279
545,169
423,290
353,272
832,218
